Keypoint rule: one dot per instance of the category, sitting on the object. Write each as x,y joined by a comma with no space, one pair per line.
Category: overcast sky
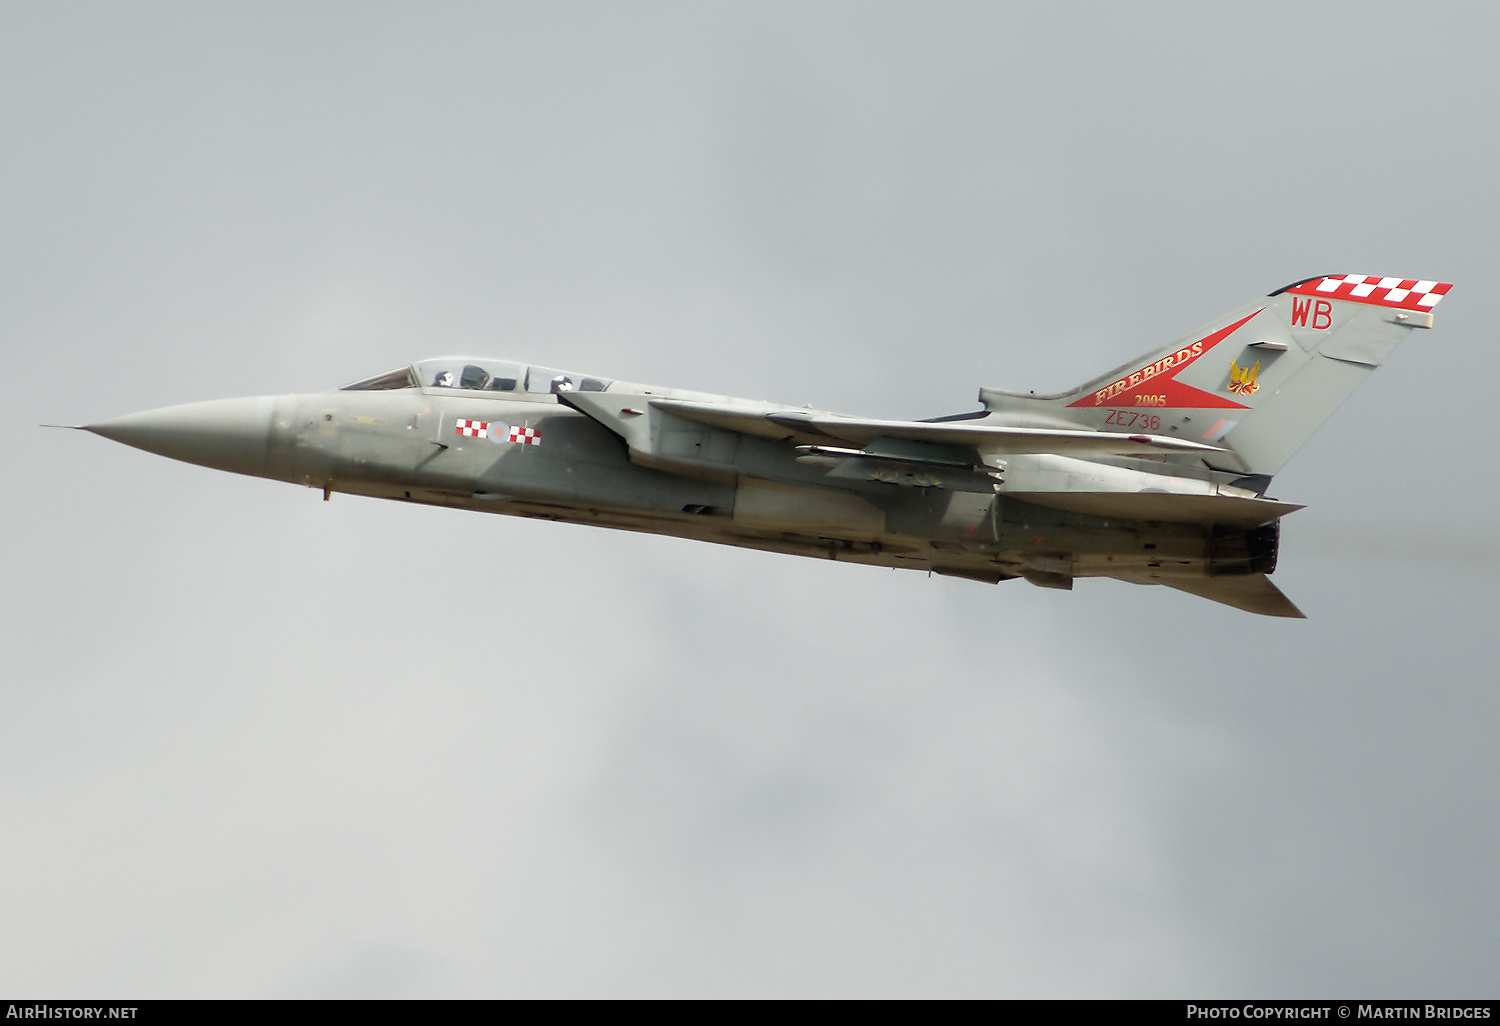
258,745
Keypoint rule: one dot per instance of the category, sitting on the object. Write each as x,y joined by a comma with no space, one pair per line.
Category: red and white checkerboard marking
472,428
525,435
1405,293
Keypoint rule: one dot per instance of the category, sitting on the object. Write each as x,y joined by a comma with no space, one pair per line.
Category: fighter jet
1153,473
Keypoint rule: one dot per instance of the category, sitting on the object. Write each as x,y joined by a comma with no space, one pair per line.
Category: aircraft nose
226,434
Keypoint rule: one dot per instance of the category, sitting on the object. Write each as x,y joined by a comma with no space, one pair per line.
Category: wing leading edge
784,425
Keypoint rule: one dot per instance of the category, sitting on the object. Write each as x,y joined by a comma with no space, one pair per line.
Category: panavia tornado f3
1155,473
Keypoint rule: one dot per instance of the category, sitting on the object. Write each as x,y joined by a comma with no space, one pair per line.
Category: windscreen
398,378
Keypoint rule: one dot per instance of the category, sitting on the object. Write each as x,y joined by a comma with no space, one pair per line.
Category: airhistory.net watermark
47,1010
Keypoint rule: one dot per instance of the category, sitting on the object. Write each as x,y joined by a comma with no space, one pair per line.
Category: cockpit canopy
480,374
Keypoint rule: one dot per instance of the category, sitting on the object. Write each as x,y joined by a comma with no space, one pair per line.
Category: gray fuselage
449,447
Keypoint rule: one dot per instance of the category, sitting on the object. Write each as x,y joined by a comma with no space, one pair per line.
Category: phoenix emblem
1242,379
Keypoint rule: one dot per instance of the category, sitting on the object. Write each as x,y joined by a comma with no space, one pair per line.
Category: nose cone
226,434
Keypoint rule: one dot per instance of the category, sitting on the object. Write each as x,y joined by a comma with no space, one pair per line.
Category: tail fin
1259,381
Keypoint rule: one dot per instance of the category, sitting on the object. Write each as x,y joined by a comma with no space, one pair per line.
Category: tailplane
1259,381
1253,593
